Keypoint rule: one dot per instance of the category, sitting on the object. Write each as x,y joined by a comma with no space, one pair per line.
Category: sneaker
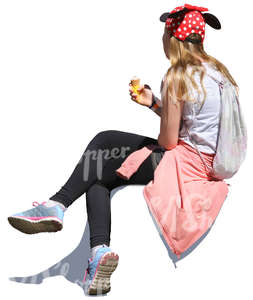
99,271
38,219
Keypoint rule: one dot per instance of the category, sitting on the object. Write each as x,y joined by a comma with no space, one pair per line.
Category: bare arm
157,108
170,125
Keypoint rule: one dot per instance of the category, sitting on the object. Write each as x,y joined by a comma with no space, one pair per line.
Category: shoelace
91,269
35,203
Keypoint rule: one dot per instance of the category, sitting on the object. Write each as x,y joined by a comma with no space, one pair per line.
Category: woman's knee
97,191
95,187
101,137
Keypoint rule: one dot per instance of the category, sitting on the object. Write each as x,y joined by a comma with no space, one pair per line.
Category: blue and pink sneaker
38,219
99,271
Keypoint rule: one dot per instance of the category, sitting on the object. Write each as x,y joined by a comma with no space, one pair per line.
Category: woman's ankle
95,248
51,203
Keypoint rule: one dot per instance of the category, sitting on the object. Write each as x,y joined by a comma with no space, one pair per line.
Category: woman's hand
144,96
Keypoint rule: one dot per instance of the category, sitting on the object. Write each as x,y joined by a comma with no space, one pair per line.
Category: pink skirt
182,198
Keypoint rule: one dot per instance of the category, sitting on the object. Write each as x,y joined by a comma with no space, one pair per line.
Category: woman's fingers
140,88
134,96
132,93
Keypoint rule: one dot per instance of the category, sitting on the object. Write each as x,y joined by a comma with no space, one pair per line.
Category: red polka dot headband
187,19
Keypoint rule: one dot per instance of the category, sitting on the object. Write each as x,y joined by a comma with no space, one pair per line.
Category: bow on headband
187,19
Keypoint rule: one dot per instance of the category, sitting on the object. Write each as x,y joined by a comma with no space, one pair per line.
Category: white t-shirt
204,128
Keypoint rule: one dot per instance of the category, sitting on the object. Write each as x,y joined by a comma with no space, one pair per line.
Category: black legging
95,175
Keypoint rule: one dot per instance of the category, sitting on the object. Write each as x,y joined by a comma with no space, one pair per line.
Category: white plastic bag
232,135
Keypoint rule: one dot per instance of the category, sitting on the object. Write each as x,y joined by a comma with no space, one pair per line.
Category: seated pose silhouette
184,86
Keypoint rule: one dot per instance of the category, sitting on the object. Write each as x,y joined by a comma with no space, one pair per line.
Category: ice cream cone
135,82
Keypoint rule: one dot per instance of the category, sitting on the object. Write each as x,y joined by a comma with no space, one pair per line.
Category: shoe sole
35,226
101,281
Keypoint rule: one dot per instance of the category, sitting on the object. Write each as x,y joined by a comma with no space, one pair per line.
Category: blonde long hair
183,54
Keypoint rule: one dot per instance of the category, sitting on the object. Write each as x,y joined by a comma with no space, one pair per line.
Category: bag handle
210,169
221,84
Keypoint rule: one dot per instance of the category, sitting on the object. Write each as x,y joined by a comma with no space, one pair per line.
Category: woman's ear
212,21
176,14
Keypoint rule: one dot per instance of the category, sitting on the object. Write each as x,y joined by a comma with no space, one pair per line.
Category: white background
64,74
